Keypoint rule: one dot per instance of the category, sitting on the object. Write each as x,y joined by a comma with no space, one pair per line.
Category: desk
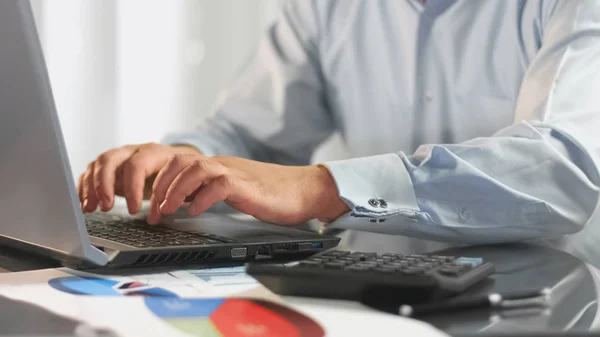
525,266
519,266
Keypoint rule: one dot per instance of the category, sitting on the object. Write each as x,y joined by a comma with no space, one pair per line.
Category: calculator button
336,253
413,271
361,257
367,255
357,268
309,264
423,265
335,264
443,258
451,270
384,269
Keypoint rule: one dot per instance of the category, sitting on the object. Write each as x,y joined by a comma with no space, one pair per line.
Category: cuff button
383,203
374,202
376,220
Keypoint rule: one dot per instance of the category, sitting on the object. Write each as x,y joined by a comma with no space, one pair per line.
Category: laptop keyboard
137,233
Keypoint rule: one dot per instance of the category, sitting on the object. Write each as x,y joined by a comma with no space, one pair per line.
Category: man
510,88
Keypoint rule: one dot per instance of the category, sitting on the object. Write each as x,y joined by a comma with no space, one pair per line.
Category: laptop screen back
39,205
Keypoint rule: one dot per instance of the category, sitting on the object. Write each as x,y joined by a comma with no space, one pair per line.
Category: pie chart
232,317
93,286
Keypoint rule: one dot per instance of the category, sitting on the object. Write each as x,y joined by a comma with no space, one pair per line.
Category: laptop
40,210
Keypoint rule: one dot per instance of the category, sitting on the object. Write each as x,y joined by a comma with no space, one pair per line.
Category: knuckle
150,147
226,181
87,175
200,164
174,159
178,160
104,157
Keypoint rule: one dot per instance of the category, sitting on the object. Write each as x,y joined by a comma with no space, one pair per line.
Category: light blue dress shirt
473,121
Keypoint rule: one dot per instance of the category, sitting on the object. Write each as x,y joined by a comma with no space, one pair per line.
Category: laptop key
137,233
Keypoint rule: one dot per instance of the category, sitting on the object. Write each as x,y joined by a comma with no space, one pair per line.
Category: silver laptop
39,207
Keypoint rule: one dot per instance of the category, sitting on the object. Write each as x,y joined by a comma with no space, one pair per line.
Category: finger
119,190
90,202
219,189
105,172
188,181
154,213
141,165
167,174
80,189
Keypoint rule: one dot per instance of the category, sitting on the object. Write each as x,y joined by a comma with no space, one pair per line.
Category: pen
494,301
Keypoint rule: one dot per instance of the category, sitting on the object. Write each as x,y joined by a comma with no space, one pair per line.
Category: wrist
329,205
186,149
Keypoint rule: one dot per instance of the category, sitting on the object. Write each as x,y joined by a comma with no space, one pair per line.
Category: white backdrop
128,71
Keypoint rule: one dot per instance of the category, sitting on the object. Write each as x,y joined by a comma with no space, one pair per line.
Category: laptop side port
239,252
263,252
286,247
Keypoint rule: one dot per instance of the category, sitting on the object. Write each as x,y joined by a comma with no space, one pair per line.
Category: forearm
536,178
523,183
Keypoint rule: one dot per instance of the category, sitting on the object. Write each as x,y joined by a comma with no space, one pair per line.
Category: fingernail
85,204
162,206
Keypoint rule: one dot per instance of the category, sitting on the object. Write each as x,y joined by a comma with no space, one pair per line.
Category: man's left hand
278,194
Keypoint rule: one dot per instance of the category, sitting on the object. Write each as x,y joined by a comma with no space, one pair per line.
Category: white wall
127,71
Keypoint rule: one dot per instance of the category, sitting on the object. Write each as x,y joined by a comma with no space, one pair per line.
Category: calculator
407,279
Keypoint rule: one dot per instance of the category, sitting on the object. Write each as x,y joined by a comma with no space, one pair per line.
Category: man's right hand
127,171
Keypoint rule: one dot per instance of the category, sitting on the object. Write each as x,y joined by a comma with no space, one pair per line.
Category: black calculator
361,276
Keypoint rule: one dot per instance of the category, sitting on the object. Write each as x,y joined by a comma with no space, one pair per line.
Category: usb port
310,245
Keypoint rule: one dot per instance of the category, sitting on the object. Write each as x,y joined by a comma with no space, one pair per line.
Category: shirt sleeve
537,178
275,108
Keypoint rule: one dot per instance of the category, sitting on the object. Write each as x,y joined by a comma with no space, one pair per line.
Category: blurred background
129,71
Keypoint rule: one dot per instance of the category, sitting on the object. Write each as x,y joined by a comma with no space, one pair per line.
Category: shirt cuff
378,190
203,144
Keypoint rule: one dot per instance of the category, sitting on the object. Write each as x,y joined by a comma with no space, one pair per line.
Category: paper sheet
160,304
